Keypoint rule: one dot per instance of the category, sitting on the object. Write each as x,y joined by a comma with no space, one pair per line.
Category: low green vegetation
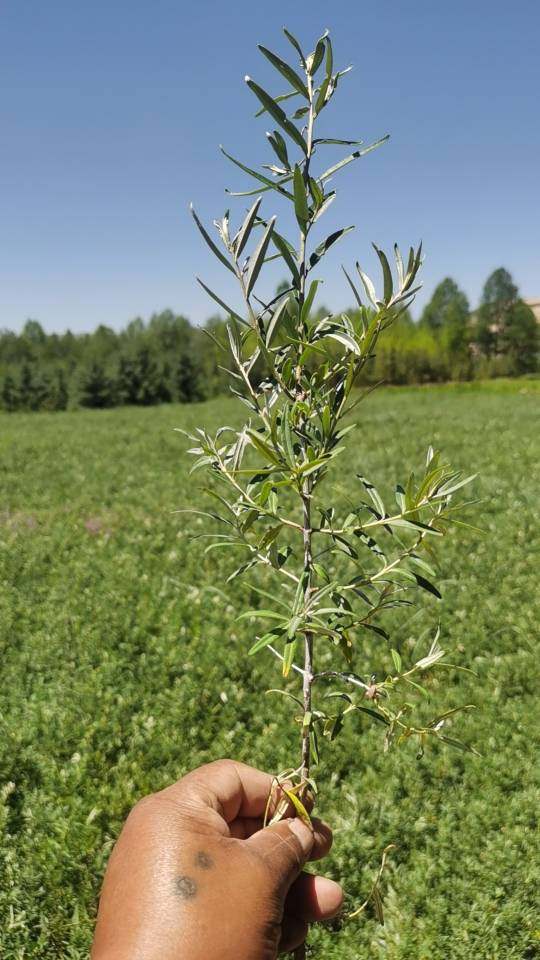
123,667
168,359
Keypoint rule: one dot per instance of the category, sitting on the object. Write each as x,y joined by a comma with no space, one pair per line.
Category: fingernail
303,833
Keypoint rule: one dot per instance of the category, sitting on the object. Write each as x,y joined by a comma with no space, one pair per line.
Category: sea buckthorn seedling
297,373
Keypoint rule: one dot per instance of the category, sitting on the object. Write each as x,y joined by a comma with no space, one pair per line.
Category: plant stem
308,641
300,952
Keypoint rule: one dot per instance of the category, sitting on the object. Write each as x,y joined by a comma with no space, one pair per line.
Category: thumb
285,847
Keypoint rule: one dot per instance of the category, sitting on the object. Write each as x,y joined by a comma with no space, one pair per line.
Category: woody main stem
300,952
308,641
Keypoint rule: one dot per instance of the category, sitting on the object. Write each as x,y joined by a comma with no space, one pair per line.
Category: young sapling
298,373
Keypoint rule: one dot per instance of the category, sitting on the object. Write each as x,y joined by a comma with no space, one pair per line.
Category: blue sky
112,112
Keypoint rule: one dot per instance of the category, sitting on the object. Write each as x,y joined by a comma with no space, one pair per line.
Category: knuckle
147,808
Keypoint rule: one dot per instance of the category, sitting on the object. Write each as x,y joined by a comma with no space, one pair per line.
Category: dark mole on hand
185,887
204,860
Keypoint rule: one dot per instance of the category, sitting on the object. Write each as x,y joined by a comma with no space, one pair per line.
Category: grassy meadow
123,667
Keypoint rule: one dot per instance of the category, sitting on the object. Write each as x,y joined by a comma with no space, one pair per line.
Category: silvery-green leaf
399,265
322,95
270,184
243,234
324,205
273,326
278,99
353,288
315,59
300,199
256,261
353,156
345,339
329,56
308,302
279,147
315,191
449,488
368,286
215,250
343,143
373,493
288,253
286,71
277,113
387,274
323,247
296,46
231,313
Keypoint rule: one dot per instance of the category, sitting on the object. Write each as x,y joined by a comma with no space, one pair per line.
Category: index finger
231,788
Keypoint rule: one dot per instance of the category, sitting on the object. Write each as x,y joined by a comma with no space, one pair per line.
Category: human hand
194,876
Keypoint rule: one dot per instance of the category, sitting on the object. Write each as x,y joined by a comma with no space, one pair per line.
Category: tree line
168,359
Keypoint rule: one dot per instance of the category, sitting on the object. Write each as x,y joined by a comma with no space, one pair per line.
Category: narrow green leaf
269,596
314,745
212,337
353,288
286,71
316,192
387,273
277,113
287,438
306,468
330,197
315,59
353,156
278,99
263,447
227,309
377,902
288,253
345,339
322,95
375,496
215,249
262,642
397,660
399,265
285,693
419,562
300,199
279,147
427,585
411,525
308,302
323,247
447,489
242,236
290,649
273,326
262,614
296,46
459,745
373,714
344,143
270,184
256,261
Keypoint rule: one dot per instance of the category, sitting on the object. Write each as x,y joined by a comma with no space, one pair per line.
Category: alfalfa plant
336,576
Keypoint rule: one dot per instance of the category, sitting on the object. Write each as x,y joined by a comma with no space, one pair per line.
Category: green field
123,667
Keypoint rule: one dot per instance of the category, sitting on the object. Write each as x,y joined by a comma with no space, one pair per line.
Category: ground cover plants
119,674
338,579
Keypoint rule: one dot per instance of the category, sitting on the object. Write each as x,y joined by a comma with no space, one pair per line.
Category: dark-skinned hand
194,876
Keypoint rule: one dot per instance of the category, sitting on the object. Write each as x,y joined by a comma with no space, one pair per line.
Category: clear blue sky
112,112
